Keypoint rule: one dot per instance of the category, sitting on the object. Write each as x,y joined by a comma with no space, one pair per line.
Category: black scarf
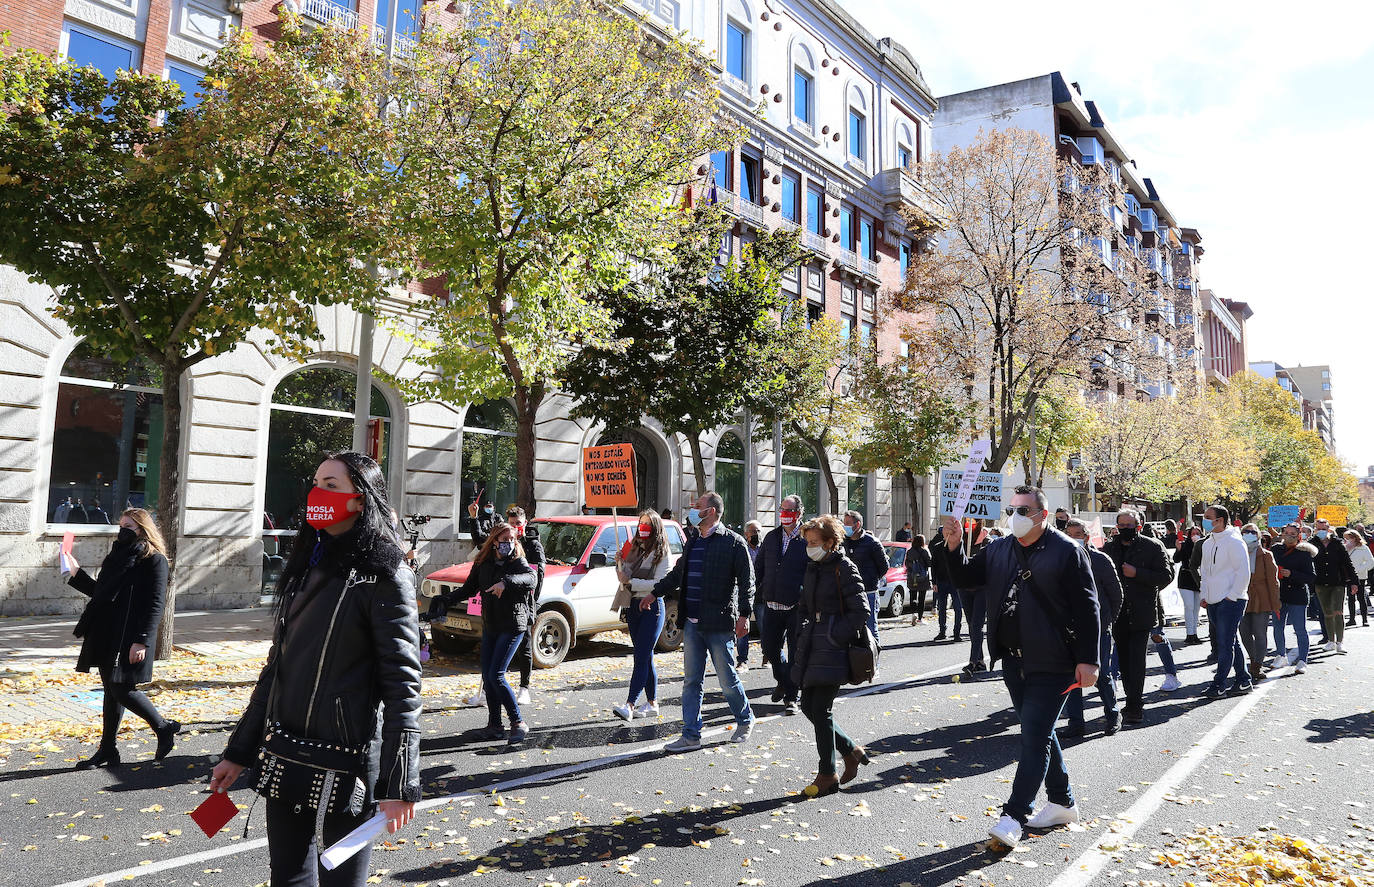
109,584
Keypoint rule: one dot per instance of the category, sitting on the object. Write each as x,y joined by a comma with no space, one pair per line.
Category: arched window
803,86
488,470
856,498
312,416
801,473
857,126
905,147
730,480
107,438
737,49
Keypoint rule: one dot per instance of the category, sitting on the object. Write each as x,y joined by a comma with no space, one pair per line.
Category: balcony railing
736,205
849,259
868,268
815,242
900,186
404,48
329,12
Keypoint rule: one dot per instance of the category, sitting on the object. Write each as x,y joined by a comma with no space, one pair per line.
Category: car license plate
458,623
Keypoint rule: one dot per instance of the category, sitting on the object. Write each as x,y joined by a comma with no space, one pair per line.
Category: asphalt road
594,801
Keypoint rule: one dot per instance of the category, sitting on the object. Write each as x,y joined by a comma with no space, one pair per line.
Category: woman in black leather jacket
343,672
833,609
506,583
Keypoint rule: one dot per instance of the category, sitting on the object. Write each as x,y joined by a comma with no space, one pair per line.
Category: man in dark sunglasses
1043,624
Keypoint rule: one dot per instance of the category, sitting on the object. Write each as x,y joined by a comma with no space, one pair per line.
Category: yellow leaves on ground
1266,859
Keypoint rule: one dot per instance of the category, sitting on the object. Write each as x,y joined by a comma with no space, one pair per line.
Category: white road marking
476,793
1081,871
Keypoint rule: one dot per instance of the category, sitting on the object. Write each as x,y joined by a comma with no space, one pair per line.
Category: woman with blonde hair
1362,559
118,630
645,561
833,609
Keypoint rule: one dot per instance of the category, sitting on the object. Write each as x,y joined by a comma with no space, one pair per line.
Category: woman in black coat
341,686
833,609
118,630
506,583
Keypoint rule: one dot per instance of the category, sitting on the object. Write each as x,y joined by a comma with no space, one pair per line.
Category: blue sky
1256,124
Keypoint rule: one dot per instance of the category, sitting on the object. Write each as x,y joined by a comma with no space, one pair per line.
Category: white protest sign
983,499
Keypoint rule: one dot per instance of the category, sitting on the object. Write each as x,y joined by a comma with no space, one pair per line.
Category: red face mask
646,530
325,508
788,517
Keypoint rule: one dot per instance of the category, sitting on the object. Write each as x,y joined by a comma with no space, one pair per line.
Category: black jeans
778,639
818,704
919,587
294,856
975,615
944,594
1131,647
118,697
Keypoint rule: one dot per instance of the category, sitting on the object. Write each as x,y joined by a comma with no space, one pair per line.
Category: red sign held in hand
214,812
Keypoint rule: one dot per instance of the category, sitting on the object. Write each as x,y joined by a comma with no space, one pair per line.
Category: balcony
900,188
328,12
868,268
816,243
404,48
737,206
847,258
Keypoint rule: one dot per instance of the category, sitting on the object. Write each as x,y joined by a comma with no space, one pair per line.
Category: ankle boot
852,761
105,756
166,738
822,785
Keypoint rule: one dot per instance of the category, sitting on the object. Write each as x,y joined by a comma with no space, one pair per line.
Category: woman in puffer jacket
832,610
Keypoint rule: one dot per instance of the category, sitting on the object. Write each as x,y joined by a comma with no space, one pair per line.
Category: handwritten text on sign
608,476
985,500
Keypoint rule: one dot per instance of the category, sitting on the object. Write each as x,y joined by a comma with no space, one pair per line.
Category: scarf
1254,554
109,584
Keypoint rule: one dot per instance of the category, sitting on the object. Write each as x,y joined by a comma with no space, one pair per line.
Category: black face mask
1127,534
754,539
126,536
1061,522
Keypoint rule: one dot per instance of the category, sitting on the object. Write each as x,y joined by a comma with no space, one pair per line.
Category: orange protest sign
608,476
1334,514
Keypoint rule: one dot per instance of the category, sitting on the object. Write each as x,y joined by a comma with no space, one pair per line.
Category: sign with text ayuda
984,496
608,476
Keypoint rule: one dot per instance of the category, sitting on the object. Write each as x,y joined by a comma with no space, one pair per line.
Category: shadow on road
1360,724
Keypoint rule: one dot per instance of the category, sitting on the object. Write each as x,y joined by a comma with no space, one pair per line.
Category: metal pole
362,392
1033,470
1092,491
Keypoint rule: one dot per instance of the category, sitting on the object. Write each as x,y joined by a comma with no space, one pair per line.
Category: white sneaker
647,710
624,712
1051,815
476,699
522,696
1280,660
1171,683
1007,830
1340,647
684,743
741,667
1300,667
741,733
1329,647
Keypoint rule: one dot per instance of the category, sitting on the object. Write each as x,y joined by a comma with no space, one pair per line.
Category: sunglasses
1023,510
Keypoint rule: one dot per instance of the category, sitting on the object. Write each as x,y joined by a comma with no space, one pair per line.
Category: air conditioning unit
1091,149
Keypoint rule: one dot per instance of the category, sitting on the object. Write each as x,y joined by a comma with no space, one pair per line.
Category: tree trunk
816,444
527,403
698,463
915,513
169,498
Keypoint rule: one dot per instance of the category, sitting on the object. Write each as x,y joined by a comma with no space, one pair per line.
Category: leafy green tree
692,340
1063,426
913,422
170,234
542,145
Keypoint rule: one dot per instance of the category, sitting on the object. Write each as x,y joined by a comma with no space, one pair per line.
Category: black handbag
862,647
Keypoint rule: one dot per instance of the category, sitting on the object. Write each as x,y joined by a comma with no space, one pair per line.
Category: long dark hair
656,546
374,522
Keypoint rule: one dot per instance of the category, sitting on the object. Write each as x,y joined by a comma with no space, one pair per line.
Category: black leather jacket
345,667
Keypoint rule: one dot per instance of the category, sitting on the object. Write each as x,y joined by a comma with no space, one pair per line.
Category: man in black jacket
779,570
1144,569
868,554
945,592
1109,600
1043,624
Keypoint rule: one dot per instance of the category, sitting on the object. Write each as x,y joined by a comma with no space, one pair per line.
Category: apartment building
1223,338
835,116
1315,382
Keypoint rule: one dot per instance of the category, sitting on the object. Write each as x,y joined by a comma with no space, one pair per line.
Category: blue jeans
1296,616
1106,691
1038,700
721,645
497,651
1225,617
1166,652
944,593
778,637
645,627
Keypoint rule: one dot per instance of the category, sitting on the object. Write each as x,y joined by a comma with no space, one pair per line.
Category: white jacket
1225,567
1362,559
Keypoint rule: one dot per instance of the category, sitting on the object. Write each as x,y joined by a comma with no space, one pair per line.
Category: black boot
105,756
166,738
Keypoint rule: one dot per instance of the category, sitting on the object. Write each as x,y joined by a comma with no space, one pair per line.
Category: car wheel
552,639
670,638
450,644
897,606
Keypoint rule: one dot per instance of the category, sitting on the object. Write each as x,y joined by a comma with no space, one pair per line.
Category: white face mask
815,552
1250,538
1022,524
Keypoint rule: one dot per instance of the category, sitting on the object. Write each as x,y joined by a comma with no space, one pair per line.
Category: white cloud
1253,121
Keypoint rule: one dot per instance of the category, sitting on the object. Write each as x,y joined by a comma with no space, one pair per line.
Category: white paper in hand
64,565
352,842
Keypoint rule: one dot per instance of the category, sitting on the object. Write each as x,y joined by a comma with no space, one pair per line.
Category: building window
858,136
189,81
803,96
720,169
815,285
488,469
737,51
109,55
868,245
904,258
847,228
856,495
903,157
847,295
730,481
749,185
815,213
791,197
107,438
801,473
407,16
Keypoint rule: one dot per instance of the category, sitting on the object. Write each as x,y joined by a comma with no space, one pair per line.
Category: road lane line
479,793
1082,870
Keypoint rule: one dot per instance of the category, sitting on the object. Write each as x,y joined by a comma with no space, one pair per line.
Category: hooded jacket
833,608
1295,589
1225,567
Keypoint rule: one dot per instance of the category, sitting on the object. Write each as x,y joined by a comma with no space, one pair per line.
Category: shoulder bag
862,646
